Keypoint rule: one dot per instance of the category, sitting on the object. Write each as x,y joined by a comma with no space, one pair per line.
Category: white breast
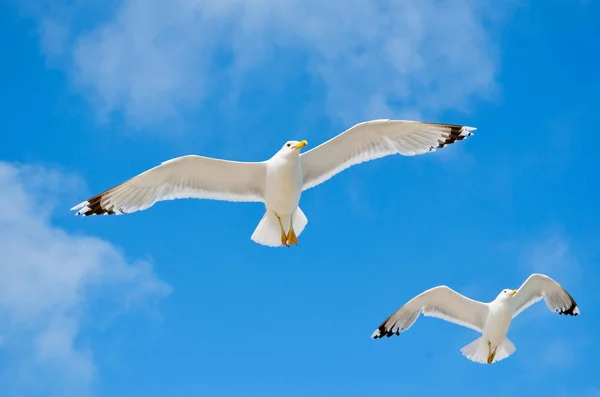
498,321
284,186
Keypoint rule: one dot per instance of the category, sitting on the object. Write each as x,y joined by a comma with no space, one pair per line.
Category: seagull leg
291,236
492,353
284,239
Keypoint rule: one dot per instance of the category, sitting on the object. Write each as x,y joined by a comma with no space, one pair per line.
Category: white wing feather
538,287
182,177
375,139
441,302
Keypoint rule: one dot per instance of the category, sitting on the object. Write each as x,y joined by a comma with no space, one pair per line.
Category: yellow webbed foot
291,237
284,239
491,355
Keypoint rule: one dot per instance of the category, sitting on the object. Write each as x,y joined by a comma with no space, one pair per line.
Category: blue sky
178,301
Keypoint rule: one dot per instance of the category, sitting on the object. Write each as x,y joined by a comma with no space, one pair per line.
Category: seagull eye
288,145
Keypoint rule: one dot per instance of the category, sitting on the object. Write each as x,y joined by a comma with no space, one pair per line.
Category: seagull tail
504,350
268,231
479,351
300,221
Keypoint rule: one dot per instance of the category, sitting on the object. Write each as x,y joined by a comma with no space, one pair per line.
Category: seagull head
292,148
506,294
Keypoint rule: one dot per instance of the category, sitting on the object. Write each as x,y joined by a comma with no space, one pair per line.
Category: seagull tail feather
504,350
268,231
476,351
299,221
479,351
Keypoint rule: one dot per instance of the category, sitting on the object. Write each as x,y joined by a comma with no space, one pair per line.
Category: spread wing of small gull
538,287
441,302
183,177
375,139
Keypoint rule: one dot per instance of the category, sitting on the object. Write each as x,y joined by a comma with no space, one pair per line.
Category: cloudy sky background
179,301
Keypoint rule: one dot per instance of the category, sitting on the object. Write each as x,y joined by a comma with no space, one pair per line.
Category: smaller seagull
491,319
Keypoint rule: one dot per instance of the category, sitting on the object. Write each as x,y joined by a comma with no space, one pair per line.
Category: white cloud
554,257
559,354
153,60
48,277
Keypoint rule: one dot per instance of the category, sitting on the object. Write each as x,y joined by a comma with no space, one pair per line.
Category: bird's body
277,182
497,323
284,185
283,188
491,319
493,338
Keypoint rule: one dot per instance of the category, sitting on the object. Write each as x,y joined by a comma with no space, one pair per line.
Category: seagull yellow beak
300,144
513,293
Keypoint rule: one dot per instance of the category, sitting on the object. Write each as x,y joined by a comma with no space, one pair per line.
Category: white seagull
277,182
491,319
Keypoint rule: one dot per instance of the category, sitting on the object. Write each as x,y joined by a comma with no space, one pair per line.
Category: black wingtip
457,133
573,310
94,207
379,333
382,332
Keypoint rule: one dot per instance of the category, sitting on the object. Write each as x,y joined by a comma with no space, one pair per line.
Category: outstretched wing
538,287
441,302
375,139
182,177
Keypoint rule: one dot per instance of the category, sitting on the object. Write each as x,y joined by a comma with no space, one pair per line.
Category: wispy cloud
153,61
553,255
559,354
48,279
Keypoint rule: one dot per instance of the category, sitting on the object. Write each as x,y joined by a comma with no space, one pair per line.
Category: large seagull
277,182
491,319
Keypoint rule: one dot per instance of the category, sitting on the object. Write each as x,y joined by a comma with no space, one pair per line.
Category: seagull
491,319
277,182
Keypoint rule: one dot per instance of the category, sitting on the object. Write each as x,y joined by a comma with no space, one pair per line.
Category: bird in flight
277,182
492,319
